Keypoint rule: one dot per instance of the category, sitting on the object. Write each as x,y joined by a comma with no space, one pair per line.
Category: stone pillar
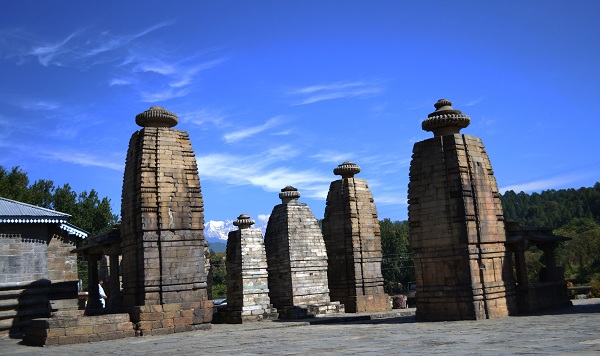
463,270
247,281
93,305
297,260
353,240
162,229
114,301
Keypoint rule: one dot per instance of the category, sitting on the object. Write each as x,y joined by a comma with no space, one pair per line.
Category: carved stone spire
347,169
156,116
289,194
243,222
445,120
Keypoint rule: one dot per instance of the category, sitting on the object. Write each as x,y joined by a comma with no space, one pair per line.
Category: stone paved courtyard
574,331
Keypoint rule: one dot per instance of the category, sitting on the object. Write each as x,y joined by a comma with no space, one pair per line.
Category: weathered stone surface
351,234
462,268
247,281
162,229
75,330
297,260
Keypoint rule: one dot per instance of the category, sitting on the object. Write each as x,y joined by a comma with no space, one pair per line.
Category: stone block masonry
78,329
162,210
352,236
297,260
247,278
463,270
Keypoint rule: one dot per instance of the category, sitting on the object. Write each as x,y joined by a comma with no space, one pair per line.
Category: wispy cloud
204,116
339,90
164,95
47,53
551,183
81,158
175,77
40,105
262,170
333,157
251,131
474,102
83,47
119,82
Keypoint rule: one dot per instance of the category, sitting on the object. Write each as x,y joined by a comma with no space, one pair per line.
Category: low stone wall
78,329
172,318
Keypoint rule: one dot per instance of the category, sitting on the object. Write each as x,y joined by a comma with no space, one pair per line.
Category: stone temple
162,229
351,234
247,277
297,260
463,270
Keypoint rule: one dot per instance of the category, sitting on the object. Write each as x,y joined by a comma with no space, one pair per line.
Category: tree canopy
88,211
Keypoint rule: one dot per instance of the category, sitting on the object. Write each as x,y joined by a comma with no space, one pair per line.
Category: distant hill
552,208
217,246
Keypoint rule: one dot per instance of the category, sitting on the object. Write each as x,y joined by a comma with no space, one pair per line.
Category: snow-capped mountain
216,230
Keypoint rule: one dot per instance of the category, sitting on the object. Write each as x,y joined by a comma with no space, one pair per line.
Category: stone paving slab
571,331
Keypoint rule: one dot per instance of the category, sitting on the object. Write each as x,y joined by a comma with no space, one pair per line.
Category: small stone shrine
351,234
247,281
463,270
162,230
297,260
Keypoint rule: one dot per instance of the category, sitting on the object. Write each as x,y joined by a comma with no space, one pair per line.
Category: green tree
397,265
218,274
13,184
87,210
581,254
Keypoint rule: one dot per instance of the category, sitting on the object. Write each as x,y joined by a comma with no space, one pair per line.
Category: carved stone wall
162,227
297,260
353,240
462,268
247,277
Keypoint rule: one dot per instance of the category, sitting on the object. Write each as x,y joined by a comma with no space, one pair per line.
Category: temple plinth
297,260
353,240
162,227
463,270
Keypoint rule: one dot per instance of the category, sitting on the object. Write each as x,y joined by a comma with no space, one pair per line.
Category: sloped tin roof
15,212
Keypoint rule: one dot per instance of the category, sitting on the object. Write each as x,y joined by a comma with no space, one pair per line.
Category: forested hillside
552,208
573,213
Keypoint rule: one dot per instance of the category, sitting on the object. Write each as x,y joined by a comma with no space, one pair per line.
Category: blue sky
277,93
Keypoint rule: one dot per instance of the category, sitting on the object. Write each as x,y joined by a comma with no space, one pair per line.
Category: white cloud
204,116
257,170
251,131
40,105
119,82
317,93
47,53
164,95
474,102
544,184
333,157
263,217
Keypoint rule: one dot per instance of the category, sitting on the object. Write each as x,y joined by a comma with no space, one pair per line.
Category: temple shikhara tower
297,260
162,227
462,267
351,234
247,277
